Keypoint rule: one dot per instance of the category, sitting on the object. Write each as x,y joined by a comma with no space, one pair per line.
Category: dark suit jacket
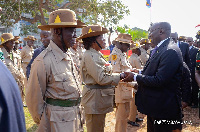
193,52
11,108
35,54
158,92
185,52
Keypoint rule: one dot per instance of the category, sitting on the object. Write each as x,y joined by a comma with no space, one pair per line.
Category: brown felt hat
62,18
5,37
182,38
29,37
145,41
124,38
92,30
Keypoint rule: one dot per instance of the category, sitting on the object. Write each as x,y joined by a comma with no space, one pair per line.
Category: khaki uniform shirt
75,57
120,64
80,52
26,54
144,56
95,74
134,60
53,75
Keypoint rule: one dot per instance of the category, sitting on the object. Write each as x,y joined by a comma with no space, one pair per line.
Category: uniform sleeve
36,90
97,71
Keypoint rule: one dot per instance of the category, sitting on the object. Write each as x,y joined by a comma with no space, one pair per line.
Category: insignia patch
2,40
114,57
90,30
57,20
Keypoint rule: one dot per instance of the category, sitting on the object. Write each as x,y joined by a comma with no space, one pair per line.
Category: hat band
64,23
123,40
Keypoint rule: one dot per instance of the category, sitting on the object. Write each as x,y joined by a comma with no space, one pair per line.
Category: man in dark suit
184,48
195,88
158,94
11,108
45,38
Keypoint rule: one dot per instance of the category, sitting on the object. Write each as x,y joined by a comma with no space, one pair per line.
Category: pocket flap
107,92
125,88
62,116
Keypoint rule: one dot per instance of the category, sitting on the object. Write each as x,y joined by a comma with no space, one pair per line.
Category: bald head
174,36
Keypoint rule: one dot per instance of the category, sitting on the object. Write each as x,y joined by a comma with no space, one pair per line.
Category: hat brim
18,42
48,27
123,41
94,33
14,38
26,39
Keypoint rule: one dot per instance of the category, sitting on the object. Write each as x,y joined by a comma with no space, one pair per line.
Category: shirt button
63,119
64,80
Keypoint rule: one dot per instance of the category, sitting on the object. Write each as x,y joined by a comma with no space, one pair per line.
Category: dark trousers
163,125
195,91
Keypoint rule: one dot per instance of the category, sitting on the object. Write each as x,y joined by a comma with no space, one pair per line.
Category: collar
58,53
5,53
118,50
95,51
161,42
190,47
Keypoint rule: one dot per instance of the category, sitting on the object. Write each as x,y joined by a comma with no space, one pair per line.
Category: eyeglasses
151,31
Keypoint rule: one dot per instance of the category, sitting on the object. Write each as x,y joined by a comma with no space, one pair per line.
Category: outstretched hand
128,76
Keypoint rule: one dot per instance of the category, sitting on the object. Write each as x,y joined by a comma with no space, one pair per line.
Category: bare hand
135,70
128,76
184,104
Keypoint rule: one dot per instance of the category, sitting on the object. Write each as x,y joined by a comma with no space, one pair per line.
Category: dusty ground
190,115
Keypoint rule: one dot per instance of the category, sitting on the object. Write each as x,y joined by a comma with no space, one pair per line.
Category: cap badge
90,30
57,20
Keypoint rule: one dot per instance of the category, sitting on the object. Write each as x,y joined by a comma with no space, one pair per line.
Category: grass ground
190,115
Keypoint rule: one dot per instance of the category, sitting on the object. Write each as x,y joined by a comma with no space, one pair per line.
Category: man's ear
57,31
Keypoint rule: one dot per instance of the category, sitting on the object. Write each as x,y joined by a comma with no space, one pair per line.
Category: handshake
128,76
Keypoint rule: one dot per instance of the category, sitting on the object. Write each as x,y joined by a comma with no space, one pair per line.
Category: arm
36,88
166,70
96,70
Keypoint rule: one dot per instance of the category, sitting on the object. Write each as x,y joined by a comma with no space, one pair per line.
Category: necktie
154,51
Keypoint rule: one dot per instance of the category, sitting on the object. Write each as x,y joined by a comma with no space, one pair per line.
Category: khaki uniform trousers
122,113
133,110
95,122
60,119
24,65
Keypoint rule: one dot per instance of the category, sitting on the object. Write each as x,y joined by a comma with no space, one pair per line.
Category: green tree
105,12
136,33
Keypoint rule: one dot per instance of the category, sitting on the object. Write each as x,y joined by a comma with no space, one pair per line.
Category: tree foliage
104,12
136,33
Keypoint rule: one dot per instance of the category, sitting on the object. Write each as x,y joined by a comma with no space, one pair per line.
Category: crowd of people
64,87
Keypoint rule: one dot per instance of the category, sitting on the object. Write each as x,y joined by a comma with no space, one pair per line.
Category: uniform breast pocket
65,82
63,121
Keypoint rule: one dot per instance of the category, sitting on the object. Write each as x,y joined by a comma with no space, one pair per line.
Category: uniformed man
197,74
135,62
11,61
144,47
80,49
97,74
27,52
123,91
53,93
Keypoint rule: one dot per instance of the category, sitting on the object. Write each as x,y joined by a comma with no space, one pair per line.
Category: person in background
111,44
11,108
45,37
144,47
195,88
99,80
27,52
135,62
184,47
11,61
197,74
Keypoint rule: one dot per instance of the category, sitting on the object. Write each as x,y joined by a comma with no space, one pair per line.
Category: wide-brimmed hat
145,41
29,37
135,45
92,30
18,42
5,37
62,18
182,38
124,38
